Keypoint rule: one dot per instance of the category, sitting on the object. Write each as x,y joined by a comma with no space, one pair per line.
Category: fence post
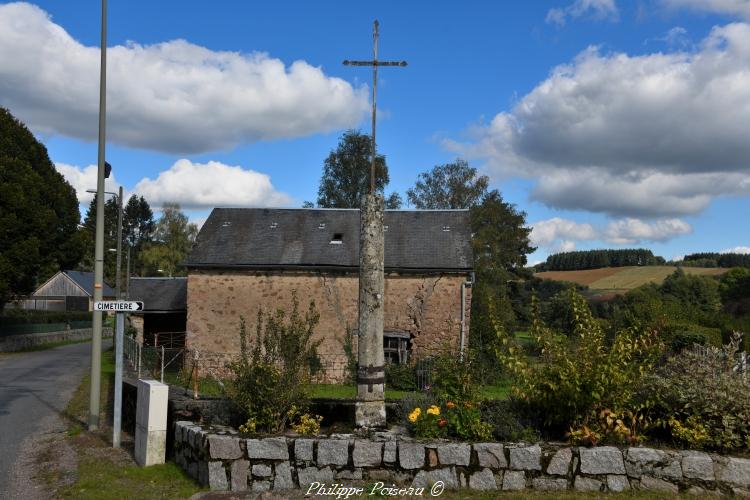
140,351
195,371
162,364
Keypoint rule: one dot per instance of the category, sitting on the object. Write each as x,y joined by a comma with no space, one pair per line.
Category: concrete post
151,423
370,406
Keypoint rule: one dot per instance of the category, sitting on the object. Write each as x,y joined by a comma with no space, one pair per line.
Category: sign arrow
119,306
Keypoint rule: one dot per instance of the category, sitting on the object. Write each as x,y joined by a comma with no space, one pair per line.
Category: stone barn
250,259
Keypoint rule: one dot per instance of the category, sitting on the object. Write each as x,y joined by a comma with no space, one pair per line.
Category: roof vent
337,239
322,225
226,223
446,229
274,225
385,228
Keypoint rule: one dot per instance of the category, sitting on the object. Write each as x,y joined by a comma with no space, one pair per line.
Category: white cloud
629,231
732,7
653,135
212,184
559,235
596,9
173,96
84,178
545,232
744,250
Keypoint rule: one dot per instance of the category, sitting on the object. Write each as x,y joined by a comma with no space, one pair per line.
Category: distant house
250,259
162,321
66,291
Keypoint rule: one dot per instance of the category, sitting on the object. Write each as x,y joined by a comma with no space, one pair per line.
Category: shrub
701,399
400,377
509,421
454,378
461,420
271,383
575,379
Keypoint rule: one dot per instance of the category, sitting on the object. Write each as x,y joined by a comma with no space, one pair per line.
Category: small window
396,347
446,229
322,225
274,225
338,239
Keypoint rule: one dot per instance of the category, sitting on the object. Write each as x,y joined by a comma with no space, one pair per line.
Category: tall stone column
370,406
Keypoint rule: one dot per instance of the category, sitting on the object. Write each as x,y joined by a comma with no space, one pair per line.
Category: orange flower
450,405
468,404
442,422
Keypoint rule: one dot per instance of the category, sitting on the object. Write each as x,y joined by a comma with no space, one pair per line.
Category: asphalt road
33,386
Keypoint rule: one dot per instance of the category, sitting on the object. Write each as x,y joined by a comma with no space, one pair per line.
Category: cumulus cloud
84,178
653,135
744,250
732,7
212,184
560,235
596,9
174,96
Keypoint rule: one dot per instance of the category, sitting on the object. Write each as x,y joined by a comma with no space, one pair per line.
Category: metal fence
154,361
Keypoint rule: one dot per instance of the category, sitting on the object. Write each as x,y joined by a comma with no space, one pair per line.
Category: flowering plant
449,420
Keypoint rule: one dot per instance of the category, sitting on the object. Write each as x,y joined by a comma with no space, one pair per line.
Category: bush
271,383
701,399
400,377
462,420
454,378
577,378
509,421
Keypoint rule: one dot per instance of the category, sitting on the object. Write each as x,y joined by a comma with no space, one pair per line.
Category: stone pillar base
370,414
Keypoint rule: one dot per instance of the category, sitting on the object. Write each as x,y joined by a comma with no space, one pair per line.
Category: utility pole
96,336
119,332
370,404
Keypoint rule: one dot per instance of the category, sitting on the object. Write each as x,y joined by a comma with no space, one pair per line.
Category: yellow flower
414,415
433,410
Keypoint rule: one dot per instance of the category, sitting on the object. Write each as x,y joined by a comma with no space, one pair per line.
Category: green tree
173,238
138,227
346,174
453,185
87,234
38,213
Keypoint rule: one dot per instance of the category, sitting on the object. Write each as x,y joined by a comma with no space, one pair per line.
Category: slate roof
160,294
437,240
85,280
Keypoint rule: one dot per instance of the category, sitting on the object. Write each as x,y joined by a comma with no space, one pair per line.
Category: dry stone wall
219,458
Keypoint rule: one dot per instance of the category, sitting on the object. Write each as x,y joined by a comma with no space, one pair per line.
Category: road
33,386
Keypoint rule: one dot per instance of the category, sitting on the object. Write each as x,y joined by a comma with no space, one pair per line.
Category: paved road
33,386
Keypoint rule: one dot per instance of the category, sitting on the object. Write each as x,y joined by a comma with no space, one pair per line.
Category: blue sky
610,123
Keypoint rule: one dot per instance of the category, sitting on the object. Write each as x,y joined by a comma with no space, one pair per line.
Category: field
617,280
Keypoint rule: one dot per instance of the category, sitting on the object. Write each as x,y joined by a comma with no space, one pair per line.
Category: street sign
118,306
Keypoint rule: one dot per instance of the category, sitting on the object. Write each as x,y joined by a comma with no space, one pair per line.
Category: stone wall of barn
428,307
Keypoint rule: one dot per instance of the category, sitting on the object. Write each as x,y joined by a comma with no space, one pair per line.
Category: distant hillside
618,280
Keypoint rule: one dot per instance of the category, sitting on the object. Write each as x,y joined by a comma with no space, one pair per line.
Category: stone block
526,458
432,457
483,480
426,478
514,480
224,447
238,473
454,454
656,484
410,455
283,478
367,453
308,475
217,477
303,450
491,455
735,471
261,486
559,465
351,475
639,461
586,484
268,449
389,452
549,484
618,484
697,465
671,470
333,452
192,470
262,470
203,473
601,460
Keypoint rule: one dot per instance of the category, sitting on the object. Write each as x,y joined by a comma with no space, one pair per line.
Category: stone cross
370,405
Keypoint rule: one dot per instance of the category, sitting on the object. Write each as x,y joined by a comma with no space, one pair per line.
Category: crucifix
374,63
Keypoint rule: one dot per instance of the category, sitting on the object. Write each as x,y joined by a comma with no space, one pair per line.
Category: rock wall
217,457
13,343
428,307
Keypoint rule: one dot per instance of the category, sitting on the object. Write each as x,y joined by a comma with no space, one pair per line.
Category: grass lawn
339,391
106,473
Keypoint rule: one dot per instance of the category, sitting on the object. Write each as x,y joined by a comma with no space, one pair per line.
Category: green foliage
173,238
308,425
38,213
450,186
271,381
400,377
453,378
346,174
577,378
509,421
593,259
735,284
462,420
700,399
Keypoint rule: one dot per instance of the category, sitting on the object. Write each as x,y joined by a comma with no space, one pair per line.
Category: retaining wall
217,457
13,343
